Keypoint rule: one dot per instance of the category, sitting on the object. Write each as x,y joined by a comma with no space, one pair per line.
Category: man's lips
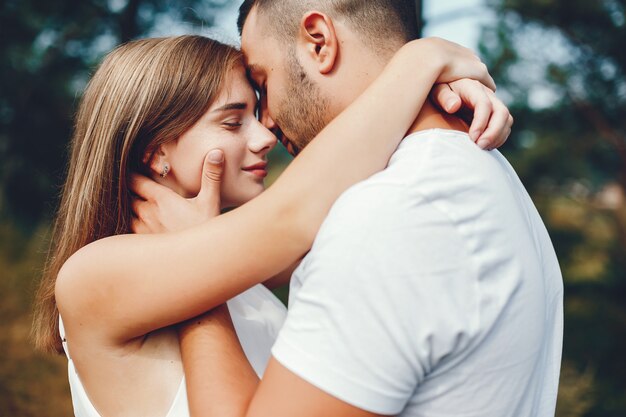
260,169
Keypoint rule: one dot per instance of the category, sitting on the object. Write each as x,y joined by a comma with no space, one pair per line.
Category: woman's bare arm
283,278
127,286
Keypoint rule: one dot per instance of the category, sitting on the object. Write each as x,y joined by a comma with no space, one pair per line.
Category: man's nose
264,114
267,121
262,139
271,125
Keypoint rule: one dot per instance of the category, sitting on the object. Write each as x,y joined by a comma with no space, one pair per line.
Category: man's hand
490,119
157,209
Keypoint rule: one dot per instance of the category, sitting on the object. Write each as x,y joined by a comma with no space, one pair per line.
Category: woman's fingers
474,95
138,226
158,209
443,96
146,188
139,208
492,122
500,124
212,170
487,80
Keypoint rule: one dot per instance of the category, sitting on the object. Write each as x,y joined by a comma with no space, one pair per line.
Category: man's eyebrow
231,106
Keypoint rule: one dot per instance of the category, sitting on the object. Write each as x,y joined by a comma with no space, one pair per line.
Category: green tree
562,66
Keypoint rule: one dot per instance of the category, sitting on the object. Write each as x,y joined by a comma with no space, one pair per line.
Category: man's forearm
220,380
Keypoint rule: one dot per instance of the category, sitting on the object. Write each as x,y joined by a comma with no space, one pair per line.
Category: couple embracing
422,280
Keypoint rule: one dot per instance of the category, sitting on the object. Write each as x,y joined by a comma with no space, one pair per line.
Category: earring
166,170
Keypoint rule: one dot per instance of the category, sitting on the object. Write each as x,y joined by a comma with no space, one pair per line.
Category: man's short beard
302,113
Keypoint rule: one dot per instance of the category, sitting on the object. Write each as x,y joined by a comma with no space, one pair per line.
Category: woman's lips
261,173
258,170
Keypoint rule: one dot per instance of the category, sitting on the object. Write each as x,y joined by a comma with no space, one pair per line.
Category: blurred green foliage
31,384
47,51
562,66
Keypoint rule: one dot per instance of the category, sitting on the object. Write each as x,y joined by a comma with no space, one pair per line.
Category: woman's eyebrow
231,106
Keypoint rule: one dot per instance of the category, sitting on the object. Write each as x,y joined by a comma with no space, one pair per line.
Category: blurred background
560,65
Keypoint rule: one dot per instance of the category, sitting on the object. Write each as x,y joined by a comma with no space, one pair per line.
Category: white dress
257,316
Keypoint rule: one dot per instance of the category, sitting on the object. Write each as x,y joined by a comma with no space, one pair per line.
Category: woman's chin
241,199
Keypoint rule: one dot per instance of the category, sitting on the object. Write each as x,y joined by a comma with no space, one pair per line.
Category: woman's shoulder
81,277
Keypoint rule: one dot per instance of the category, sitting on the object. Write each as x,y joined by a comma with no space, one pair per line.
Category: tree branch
608,132
129,25
456,14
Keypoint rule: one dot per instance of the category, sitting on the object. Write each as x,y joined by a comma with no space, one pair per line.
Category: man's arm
284,394
221,382
219,379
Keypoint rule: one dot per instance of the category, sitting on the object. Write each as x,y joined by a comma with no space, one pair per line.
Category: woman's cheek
193,178
226,182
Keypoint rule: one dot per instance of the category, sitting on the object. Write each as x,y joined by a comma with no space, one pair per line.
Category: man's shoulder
427,166
438,178
368,203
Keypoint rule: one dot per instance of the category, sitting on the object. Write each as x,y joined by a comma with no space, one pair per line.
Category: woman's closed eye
232,124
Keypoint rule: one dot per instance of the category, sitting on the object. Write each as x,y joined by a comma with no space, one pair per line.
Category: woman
158,106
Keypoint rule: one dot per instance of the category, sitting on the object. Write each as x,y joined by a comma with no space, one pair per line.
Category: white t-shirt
432,289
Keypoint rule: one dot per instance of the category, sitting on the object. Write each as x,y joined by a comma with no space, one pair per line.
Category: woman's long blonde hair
145,93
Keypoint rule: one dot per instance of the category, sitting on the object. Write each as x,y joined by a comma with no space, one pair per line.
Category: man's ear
317,33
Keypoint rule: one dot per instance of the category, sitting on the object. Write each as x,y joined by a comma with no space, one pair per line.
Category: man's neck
429,117
432,118
364,66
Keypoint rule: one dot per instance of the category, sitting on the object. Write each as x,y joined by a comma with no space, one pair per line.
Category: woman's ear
317,34
156,162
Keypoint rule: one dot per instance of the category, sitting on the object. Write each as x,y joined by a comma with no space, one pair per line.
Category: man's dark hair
380,22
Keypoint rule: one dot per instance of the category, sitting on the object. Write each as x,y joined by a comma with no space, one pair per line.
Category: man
432,288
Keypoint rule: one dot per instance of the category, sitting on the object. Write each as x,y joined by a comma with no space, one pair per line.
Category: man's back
432,289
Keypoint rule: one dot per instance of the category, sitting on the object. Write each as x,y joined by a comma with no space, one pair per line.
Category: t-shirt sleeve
375,315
